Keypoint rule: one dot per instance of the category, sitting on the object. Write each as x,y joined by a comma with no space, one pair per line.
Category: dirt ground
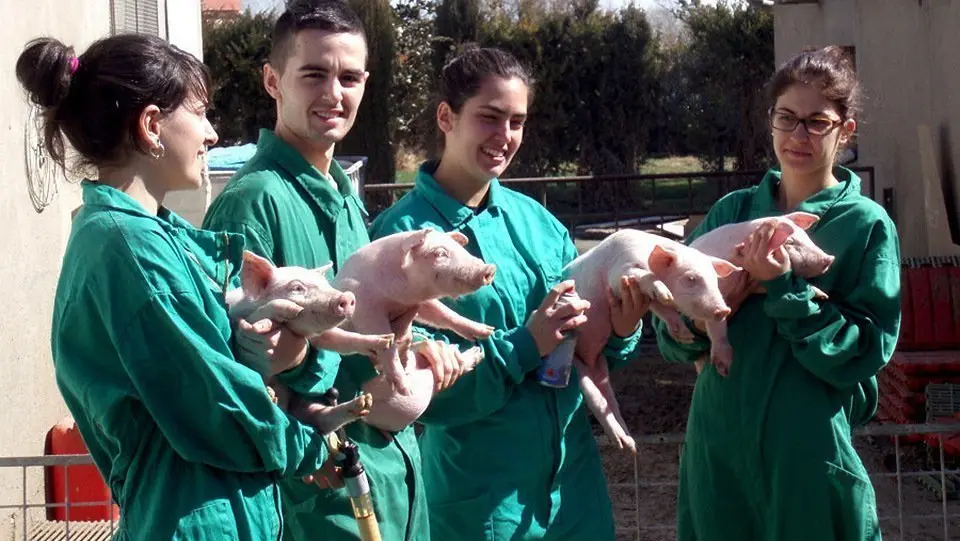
655,398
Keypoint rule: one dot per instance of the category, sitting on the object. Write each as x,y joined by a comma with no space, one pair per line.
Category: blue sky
265,4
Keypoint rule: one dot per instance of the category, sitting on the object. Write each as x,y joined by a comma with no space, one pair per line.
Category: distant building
906,57
218,11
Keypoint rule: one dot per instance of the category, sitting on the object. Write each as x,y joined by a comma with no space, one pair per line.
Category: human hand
549,323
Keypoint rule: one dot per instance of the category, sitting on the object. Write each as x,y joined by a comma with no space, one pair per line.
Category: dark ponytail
96,100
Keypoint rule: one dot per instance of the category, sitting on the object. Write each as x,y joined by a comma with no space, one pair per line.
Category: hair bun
44,70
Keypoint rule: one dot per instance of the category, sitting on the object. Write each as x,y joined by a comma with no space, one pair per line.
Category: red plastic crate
954,273
942,304
83,483
933,363
951,440
907,338
894,387
888,416
922,310
930,303
916,383
901,411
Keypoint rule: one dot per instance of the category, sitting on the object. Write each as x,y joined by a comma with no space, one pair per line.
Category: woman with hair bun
186,437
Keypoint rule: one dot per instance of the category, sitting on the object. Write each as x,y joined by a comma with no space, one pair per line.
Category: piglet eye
298,288
691,279
442,253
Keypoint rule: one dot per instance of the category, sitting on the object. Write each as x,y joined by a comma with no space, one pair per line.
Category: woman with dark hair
505,456
768,451
186,436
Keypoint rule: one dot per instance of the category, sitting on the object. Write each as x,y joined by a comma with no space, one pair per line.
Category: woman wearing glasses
768,454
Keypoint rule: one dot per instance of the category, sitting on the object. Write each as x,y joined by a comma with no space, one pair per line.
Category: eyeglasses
815,125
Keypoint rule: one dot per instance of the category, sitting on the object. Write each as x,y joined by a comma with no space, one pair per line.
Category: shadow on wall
949,183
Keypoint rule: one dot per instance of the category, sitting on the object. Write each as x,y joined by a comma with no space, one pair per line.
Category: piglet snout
721,314
827,261
346,304
488,273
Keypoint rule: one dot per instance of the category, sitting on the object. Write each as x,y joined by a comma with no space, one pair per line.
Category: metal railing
896,519
896,523
619,199
48,530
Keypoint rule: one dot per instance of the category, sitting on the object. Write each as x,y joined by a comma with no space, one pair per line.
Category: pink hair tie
74,64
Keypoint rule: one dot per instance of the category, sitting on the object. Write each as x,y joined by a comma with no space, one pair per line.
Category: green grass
406,177
669,164
669,195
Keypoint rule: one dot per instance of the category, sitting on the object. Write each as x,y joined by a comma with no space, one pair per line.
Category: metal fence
644,494
33,523
613,201
644,491
917,500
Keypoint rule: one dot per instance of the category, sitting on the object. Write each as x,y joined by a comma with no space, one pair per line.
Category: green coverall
505,457
768,453
292,215
186,436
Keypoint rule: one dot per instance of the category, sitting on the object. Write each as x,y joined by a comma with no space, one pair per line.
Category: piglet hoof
272,394
721,356
626,442
360,406
477,332
485,332
471,358
699,365
661,294
819,294
386,341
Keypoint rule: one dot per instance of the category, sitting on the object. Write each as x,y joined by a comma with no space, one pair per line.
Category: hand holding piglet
628,309
549,323
758,260
446,361
267,344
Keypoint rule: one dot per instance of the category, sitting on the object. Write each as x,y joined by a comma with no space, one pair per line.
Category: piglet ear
322,270
412,246
661,260
803,219
780,235
461,239
415,240
255,273
723,267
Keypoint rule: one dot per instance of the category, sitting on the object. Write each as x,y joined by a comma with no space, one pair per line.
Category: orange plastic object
84,483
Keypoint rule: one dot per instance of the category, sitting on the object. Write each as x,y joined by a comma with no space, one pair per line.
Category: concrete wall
32,246
33,243
183,25
905,62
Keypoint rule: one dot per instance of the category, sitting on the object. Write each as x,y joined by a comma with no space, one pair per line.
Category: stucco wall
903,55
32,244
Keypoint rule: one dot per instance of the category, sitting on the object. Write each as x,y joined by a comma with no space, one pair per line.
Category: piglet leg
721,354
347,342
818,293
699,364
386,360
328,419
598,393
675,324
651,286
437,314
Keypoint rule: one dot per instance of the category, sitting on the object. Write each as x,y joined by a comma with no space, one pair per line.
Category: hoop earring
158,151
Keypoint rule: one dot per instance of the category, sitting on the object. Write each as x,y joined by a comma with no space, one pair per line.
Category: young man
295,205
